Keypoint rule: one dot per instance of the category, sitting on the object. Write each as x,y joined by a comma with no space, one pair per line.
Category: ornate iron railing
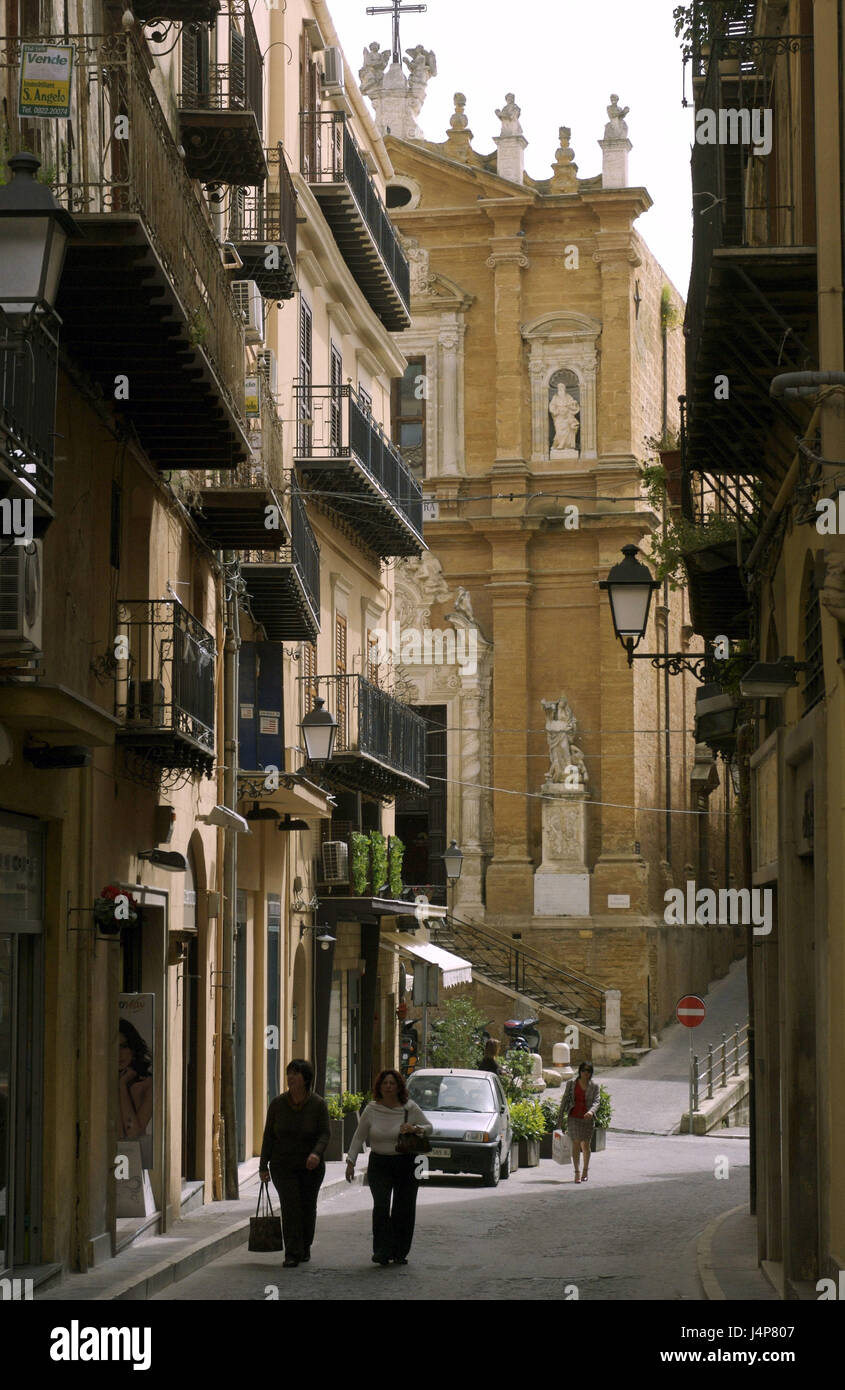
116,155
266,213
371,722
165,686
28,374
302,551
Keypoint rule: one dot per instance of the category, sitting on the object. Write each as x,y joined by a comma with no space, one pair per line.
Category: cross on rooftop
396,8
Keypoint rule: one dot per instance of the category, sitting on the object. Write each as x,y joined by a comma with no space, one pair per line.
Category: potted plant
395,856
529,1125
550,1110
115,908
334,1149
603,1114
360,865
352,1103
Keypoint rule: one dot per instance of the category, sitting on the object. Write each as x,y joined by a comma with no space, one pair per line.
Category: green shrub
334,1105
550,1110
351,1101
527,1119
456,1042
378,846
397,854
360,868
516,1070
604,1111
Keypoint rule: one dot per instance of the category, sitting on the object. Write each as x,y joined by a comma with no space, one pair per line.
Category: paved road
630,1233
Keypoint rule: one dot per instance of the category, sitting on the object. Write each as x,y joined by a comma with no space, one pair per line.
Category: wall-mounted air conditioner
266,360
333,76
251,306
335,861
20,599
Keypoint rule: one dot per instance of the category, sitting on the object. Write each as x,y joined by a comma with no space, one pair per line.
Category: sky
562,59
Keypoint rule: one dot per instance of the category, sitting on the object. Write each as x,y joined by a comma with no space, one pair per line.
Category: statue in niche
371,75
617,127
564,410
509,116
564,753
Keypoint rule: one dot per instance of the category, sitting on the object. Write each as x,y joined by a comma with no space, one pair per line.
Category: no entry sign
690,1011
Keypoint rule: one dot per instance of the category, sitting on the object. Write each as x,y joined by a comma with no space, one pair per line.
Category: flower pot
671,461
546,1145
350,1124
334,1149
529,1153
514,1155
599,1140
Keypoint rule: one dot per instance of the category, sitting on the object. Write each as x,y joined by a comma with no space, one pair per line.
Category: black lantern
34,230
319,729
630,587
716,713
453,859
770,680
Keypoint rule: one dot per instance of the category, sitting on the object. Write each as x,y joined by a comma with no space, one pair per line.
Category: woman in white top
389,1114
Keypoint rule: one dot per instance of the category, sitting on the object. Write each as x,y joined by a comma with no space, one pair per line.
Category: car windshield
452,1093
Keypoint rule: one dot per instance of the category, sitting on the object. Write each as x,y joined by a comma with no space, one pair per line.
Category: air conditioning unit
20,599
266,359
251,306
335,861
333,77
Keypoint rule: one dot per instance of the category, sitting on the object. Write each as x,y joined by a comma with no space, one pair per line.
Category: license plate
440,1153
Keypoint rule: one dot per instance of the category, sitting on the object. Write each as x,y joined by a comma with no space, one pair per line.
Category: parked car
472,1128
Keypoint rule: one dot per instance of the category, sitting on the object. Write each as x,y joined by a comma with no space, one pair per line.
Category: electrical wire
544,796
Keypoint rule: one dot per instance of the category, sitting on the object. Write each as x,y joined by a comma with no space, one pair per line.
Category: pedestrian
390,1174
577,1115
488,1061
295,1137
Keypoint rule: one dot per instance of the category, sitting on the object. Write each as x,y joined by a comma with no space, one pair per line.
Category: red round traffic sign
690,1010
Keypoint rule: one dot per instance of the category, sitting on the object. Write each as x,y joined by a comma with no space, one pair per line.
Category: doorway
240,1021
421,820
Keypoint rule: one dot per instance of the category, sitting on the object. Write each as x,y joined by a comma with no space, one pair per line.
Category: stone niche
563,352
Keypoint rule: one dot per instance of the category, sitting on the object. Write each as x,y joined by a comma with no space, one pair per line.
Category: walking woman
578,1108
389,1114
295,1137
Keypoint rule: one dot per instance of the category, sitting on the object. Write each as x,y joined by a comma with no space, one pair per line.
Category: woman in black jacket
295,1137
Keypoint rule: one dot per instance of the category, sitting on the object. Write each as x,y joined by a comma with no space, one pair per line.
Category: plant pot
598,1141
546,1145
514,1152
671,461
350,1124
334,1149
529,1153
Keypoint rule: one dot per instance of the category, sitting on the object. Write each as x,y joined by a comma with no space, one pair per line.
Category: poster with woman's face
136,1030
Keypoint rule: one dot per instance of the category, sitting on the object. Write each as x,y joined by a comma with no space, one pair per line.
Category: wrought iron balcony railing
262,221
380,743
144,292
165,687
333,166
284,585
221,108
346,457
243,506
28,374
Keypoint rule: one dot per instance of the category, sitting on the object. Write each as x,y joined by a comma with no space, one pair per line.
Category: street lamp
770,680
319,728
453,859
34,231
629,587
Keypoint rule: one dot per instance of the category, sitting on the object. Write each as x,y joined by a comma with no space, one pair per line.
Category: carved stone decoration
459,119
615,146
563,350
418,258
565,170
459,136
396,96
566,759
509,116
423,576
562,882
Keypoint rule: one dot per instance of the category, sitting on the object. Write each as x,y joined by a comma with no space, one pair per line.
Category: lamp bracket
677,663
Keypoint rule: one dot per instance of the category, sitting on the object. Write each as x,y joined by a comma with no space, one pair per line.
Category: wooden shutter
304,431
336,382
309,674
237,69
309,106
340,631
372,657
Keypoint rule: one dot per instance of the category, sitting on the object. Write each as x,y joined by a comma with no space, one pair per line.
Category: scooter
522,1034
409,1047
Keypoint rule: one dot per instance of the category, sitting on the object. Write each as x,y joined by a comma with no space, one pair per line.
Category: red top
579,1109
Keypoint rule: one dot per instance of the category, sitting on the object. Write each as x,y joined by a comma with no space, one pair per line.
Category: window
309,674
812,620
371,666
408,409
304,394
195,60
336,406
309,106
365,401
340,632
397,195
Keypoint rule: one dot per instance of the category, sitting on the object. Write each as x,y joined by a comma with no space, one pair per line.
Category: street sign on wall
690,1011
46,74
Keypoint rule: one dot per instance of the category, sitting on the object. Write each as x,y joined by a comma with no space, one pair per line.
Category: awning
455,970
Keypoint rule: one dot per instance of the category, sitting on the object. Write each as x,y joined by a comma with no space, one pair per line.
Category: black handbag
412,1143
265,1232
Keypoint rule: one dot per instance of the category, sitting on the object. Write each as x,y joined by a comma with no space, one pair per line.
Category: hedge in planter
529,1125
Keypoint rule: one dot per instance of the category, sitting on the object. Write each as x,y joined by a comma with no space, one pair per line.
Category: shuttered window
340,631
309,674
303,397
372,654
309,106
336,382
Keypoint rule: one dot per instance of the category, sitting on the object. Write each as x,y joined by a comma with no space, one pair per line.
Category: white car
472,1125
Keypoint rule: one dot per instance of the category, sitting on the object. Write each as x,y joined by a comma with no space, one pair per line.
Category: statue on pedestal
509,116
617,127
564,753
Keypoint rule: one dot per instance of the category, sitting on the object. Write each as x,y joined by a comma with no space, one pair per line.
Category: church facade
544,369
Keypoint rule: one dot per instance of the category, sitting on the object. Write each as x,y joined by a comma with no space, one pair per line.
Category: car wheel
505,1167
493,1171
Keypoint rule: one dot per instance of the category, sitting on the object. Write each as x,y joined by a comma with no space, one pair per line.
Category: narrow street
629,1233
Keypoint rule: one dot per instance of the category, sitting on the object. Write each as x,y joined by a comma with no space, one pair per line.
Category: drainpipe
230,877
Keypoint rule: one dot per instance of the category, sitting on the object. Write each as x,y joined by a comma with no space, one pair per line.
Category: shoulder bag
265,1232
412,1143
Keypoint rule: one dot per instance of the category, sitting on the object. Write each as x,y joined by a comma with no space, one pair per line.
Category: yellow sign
46,72
253,411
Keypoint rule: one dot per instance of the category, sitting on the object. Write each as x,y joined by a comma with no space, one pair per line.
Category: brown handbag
412,1143
265,1232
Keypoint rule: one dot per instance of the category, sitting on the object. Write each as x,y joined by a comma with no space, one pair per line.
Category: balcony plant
108,915
697,25
529,1125
395,857
378,855
360,866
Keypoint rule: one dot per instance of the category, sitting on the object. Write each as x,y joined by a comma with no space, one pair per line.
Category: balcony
232,506
380,743
266,217
726,514
221,110
333,167
165,688
752,300
147,311
346,458
284,586
177,11
27,419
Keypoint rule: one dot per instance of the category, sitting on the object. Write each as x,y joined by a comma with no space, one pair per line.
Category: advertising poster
46,74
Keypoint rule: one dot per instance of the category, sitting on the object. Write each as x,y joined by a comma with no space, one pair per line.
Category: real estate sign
46,72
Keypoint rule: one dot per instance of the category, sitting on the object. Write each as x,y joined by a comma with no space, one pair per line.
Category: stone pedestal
614,163
510,157
394,111
562,882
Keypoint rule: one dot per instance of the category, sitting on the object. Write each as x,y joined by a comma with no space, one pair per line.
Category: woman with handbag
577,1115
295,1136
395,1129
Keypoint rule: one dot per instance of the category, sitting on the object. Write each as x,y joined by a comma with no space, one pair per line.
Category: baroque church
544,368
